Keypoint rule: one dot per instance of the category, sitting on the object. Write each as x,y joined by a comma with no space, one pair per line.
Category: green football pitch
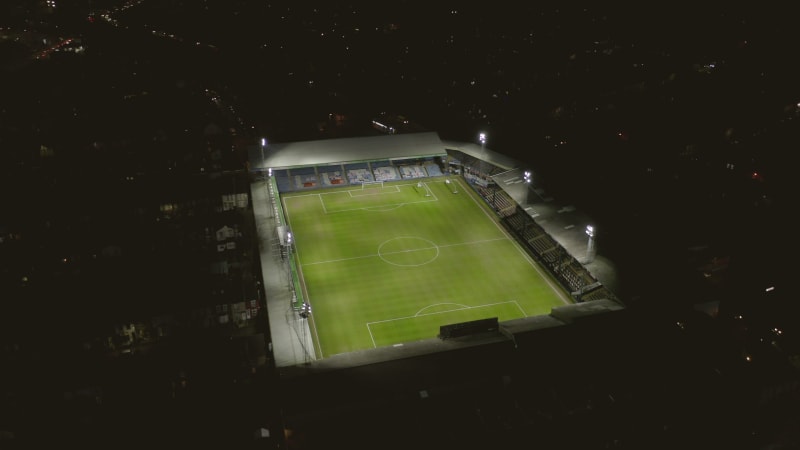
387,265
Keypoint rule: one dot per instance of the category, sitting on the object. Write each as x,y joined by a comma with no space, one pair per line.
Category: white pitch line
402,251
374,345
527,257
463,307
520,308
339,260
382,208
395,191
430,191
442,312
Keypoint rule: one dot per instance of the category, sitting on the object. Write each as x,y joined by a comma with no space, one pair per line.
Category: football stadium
383,247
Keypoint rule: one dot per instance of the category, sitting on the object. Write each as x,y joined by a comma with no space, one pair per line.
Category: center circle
408,251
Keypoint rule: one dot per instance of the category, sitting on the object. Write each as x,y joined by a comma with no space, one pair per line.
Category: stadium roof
343,150
476,151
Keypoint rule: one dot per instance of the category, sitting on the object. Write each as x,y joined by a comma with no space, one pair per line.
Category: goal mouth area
371,184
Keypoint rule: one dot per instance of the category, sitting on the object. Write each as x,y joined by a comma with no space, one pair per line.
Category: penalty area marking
394,190
382,208
421,314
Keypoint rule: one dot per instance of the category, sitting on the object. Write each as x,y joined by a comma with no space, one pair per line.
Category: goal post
371,184
422,188
451,185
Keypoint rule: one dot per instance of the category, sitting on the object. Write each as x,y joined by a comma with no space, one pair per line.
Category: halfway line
404,251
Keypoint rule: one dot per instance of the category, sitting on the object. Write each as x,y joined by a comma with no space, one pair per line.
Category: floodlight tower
263,160
527,177
305,310
590,231
482,139
289,260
